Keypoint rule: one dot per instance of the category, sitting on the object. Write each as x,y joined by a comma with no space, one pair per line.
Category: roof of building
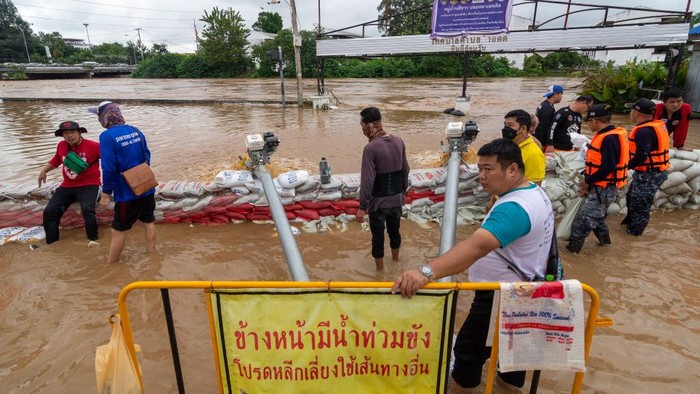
695,30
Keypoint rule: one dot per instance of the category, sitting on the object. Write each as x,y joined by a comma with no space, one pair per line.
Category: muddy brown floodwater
55,300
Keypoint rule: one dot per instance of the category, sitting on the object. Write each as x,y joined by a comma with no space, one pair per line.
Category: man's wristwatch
426,271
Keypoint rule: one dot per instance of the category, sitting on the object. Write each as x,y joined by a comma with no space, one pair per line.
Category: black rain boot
603,238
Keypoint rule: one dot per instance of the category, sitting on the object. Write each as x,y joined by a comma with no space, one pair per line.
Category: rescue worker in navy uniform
605,172
567,121
649,144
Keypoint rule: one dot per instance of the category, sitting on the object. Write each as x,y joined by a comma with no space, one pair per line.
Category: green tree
159,66
11,40
111,53
158,49
224,42
417,22
268,22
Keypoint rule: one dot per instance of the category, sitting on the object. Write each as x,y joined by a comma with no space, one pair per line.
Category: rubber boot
394,254
603,238
574,246
379,263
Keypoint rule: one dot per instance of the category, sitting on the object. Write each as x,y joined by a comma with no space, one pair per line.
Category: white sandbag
679,164
185,202
212,187
556,205
694,199
309,196
466,200
613,209
8,232
202,203
674,179
694,207
579,140
283,191
679,199
694,184
249,198
311,185
349,181
334,185
45,191
569,202
693,171
469,171
421,202
195,189
332,196
564,227
174,189
660,194
660,201
461,186
428,178
668,206
255,186
164,204
240,190
231,178
623,211
18,192
678,189
622,202
351,194
556,188
30,234
292,179
686,155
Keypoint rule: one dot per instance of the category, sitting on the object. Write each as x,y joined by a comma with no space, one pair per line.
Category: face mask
509,133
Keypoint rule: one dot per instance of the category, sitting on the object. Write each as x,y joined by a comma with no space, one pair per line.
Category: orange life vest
657,159
594,158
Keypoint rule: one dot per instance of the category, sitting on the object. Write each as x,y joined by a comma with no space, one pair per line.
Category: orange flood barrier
327,333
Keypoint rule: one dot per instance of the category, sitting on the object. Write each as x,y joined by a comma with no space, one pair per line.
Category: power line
136,8
104,24
104,15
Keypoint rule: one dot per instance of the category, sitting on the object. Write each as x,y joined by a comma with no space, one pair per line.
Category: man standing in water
123,147
605,172
81,181
383,182
518,230
676,114
649,143
567,121
545,112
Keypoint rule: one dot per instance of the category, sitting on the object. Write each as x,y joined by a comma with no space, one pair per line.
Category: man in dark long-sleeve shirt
545,112
605,173
649,144
383,181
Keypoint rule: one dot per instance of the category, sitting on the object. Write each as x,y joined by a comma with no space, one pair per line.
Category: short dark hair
370,114
521,116
605,118
584,99
506,152
672,93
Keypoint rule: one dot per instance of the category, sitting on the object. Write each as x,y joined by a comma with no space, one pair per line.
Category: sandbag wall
234,196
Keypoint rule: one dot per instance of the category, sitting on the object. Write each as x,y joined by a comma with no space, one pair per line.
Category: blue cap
553,90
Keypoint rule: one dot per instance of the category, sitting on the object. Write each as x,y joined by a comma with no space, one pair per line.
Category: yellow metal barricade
210,286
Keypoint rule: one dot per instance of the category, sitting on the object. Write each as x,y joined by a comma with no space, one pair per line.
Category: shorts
126,213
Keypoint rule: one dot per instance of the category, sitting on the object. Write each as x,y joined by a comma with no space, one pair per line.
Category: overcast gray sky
172,21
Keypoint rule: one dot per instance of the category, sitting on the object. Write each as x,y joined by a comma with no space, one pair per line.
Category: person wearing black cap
545,112
81,181
605,172
566,122
649,144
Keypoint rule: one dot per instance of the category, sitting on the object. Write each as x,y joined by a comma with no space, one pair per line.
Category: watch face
427,271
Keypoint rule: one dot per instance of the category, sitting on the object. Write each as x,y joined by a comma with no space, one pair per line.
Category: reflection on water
55,301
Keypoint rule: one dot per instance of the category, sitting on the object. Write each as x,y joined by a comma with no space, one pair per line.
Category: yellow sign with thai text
311,341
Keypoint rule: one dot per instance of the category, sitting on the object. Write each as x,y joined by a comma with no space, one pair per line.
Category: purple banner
453,18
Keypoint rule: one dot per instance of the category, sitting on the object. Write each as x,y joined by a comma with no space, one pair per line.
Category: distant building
76,43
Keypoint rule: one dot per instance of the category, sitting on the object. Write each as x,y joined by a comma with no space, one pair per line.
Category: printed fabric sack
114,368
75,163
140,178
567,222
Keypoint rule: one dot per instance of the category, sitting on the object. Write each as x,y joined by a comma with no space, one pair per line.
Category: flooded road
55,301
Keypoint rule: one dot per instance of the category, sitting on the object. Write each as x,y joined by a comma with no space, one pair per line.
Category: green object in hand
75,163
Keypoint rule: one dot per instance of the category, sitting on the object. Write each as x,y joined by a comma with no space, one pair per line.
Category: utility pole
138,29
26,48
296,42
88,35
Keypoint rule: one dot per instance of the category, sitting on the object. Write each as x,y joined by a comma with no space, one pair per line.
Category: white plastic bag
114,368
564,229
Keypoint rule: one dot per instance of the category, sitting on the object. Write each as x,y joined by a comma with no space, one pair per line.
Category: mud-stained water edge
55,300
